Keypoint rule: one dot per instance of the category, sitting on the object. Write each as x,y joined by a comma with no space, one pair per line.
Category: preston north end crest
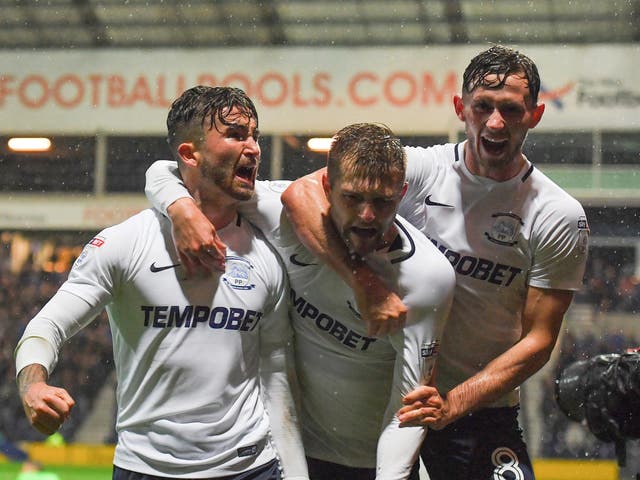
505,229
239,274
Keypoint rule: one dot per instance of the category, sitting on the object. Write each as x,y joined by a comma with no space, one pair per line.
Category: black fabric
268,471
604,390
485,445
322,470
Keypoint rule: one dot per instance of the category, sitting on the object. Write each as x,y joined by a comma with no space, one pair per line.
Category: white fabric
500,237
190,353
351,385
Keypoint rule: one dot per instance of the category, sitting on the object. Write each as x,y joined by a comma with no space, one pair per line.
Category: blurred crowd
26,285
32,269
611,284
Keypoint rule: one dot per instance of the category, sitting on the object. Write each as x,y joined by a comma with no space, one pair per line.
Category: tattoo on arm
29,375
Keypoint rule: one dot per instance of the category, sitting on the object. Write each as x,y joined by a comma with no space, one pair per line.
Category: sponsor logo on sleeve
96,241
583,235
429,349
249,451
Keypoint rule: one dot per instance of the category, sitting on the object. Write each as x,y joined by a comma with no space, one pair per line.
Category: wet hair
502,62
198,108
366,151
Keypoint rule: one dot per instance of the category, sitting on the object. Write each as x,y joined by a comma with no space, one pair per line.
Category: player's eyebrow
244,128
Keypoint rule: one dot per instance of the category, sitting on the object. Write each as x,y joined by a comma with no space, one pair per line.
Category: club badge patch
238,274
505,229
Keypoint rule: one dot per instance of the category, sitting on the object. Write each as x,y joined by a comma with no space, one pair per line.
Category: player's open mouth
246,173
494,147
364,232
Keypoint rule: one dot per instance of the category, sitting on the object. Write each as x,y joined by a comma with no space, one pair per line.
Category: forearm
498,378
541,319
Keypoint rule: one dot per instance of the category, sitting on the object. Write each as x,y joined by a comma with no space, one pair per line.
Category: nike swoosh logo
294,259
430,202
155,269
353,310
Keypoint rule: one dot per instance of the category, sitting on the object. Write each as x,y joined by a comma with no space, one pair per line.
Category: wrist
181,208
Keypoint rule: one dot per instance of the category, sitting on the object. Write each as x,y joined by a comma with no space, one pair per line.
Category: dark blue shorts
268,471
486,445
323,470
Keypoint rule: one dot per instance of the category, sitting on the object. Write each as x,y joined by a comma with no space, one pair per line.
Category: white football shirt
351,384
500,237
190,353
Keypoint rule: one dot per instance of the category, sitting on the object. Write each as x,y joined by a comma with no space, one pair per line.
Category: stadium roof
38,24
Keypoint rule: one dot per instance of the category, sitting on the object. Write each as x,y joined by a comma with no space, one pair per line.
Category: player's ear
458,106
404,189
537,115
188,154
326,185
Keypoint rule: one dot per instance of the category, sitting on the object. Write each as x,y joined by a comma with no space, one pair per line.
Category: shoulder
271,187
123,238
426,263
552,199
424,163
444,152
143,224
261,254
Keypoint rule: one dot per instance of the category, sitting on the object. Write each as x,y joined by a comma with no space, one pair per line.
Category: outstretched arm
45,406
196,240
541,320
307,208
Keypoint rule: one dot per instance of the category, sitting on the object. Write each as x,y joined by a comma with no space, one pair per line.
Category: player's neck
220,210
499,171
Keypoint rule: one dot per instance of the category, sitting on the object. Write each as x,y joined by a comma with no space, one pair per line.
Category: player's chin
362,246
243,193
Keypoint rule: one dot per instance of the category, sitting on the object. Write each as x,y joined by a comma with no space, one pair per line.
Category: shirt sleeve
417,349
61,318
562,237
78,301
277,373
164,185
398,448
